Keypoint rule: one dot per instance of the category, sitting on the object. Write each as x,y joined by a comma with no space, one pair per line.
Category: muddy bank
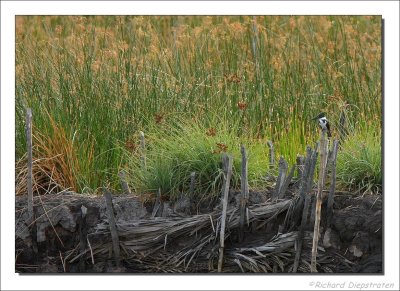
180,237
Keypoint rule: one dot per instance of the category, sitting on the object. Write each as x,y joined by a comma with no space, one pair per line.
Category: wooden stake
333,183
157,204
228,174
301,233
113,226
124,184
300,162
271,154
283,166
321,182
244,193
285,185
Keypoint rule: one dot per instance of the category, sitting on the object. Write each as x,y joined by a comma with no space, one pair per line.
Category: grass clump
359,165
175,151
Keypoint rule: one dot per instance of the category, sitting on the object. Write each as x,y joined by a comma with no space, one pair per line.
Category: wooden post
142,150
321,183
300,235
310,178
286,183
283,166
245,193
157,204
271,154
300,163
113,226
305,175
192,184
333,183
124,184
227,174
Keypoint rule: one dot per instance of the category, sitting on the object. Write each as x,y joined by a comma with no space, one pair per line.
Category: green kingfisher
323,122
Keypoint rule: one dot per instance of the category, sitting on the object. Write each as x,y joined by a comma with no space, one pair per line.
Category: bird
323,122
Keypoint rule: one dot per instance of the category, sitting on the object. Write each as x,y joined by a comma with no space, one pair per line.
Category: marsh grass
104,78
359,165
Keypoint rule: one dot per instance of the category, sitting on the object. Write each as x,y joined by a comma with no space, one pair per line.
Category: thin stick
112,224
90,248
245,192
212,224
321,182
62,262
224,209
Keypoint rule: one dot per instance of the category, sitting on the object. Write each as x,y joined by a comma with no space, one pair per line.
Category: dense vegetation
196,86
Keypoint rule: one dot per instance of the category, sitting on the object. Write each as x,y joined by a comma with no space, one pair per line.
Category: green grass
102,79
173,152
359,164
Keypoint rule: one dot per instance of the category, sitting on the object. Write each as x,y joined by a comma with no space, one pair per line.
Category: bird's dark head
322,114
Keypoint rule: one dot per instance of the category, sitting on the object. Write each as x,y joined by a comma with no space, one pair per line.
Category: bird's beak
315,118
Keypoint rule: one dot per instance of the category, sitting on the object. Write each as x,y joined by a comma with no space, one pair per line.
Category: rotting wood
124,184
227,174
305,184
321,183
329,210
112,225
244,192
